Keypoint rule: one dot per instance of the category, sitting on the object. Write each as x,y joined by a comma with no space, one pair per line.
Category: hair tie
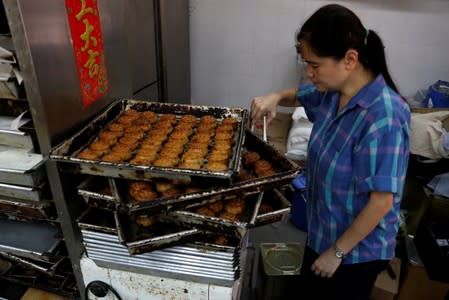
366,36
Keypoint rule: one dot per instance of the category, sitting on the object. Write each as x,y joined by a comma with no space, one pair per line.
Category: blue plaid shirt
362,148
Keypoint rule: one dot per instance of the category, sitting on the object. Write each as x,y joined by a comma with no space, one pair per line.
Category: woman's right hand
264,106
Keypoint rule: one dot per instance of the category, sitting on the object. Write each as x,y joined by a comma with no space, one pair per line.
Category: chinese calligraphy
87,43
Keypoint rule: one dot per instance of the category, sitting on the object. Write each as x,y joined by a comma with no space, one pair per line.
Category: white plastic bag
298,136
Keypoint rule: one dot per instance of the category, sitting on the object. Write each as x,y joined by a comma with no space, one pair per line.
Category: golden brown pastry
217,166
109,137
112,157
166,162
100,147
263,167
265,208
145,220
195,165
131,141
193,189
88,154
216,206
224,136
126,121
220,157
229,121
235,206
171,192
229,216
201,138
171,118
149,115
221,240
205,211
189,119
208,119
140,160
141,191
116,127
130,112
250,157
162,186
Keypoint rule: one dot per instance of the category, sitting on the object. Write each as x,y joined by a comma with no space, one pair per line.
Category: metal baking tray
96,191
67,151
247,219
19,166
30,240
22,192
273,208
286,171
162,234
97,220
201,260
42,210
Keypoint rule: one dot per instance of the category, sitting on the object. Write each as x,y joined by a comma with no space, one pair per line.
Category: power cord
100,289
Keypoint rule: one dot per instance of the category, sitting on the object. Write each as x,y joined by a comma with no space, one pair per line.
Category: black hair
334,29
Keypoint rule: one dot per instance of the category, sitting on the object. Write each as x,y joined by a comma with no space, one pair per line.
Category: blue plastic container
437,95
298,214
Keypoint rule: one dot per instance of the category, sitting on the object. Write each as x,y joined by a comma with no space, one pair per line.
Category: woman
357,154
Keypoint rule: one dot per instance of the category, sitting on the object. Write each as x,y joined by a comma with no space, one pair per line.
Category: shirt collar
364,98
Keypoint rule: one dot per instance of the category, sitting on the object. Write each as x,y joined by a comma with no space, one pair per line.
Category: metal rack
42,38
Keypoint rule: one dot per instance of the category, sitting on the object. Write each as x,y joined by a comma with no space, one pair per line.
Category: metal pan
273,208
67,151
285,171
162,234
97,192
29,239
22,192
218,223
201,260
97,220
42,210
20,167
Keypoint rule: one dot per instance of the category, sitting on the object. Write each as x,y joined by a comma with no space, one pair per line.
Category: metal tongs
265,139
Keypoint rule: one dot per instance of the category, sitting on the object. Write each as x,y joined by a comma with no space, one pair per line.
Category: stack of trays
157,206
201,261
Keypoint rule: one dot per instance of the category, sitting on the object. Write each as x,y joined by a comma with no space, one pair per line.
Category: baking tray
22,192
96,191
201,260
28,239
216,223
42,210
285,171
161,234
66,152
19,166
273,208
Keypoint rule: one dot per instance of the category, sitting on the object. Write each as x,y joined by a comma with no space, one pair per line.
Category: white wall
243,48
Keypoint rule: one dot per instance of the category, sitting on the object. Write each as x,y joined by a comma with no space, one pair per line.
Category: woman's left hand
326,264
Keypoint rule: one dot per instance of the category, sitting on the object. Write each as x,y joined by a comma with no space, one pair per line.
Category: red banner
87,43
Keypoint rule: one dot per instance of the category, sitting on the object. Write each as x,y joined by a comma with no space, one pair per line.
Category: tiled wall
244,48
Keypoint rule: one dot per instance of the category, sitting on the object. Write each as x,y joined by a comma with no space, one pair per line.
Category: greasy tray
68,150
21,192
209,258
226,216
194,191
140,237
28,209
21,167
273,208
96,192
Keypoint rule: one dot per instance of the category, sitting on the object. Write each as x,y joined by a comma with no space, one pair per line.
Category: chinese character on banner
87,42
